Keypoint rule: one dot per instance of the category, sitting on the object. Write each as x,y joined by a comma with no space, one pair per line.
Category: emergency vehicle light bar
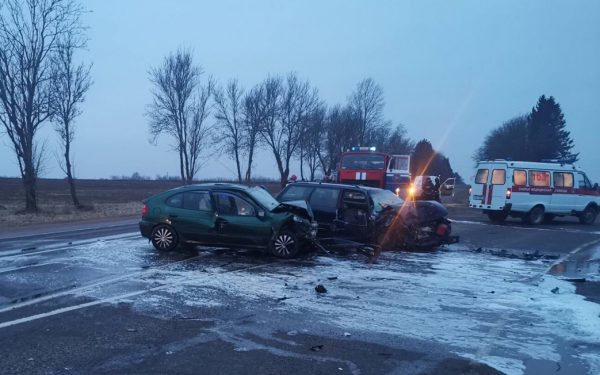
357,148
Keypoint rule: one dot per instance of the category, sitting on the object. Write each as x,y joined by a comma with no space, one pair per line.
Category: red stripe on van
490,195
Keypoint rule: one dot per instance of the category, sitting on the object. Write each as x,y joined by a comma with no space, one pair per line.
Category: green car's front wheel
285,245
164,238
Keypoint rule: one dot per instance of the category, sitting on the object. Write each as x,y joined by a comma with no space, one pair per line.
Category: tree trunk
302,163
249,169
70,174
181,164
237,164
29,182
284,178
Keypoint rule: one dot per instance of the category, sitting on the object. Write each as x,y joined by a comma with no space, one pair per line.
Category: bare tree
312,141
229,116
199,131
30,31
367,103
340,133
180,107
69,86
287,106
252,122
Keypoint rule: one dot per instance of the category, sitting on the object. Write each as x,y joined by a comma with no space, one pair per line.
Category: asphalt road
95,297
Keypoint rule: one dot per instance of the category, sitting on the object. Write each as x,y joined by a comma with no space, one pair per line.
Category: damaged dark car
227,215
372,216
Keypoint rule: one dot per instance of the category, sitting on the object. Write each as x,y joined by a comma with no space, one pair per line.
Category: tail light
442,230
508,193
470,190
145,210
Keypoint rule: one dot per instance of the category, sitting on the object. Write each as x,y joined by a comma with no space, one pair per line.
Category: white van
535,192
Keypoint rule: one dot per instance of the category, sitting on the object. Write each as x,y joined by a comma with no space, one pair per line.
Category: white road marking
558,229
94,285
117,298
59,247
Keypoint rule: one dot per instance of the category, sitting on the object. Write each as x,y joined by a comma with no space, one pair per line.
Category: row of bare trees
40,81
283,115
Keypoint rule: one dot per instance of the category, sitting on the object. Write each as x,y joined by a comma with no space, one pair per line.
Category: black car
227,215
372,215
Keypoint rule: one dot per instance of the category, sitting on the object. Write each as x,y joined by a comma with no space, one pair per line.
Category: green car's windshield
383,199
263,197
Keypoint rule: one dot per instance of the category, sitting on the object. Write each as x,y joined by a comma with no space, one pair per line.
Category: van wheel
535,216
497,217
588,216
164,238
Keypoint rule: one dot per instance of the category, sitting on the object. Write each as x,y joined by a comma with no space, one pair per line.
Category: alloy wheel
163,238
284,244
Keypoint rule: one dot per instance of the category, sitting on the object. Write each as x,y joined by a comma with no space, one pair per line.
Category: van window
482,176
584,183
562,179
498,177
520,177
539,178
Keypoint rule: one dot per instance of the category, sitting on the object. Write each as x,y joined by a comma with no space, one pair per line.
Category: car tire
285,245
588,216
164,238
535,216
497,217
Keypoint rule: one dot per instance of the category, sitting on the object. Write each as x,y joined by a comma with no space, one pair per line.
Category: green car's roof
212,186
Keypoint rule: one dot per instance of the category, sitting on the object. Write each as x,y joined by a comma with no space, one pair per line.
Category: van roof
531,164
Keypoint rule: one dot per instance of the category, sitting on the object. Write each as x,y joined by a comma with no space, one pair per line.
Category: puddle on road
577,270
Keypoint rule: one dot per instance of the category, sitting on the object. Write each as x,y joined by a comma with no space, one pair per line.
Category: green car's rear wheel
164,238
285,245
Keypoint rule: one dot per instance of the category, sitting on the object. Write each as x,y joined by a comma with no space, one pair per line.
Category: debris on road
347,334
317,348
555,290
320,289
292,333
131,330
332,278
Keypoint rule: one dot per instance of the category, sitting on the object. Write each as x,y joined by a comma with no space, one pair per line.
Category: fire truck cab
535,192
365,166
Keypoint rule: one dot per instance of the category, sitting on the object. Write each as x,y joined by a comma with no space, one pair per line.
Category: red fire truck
366,166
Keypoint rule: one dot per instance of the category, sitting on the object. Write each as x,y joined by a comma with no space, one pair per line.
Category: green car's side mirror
260,213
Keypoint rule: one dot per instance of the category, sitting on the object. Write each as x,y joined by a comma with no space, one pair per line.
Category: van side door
564,199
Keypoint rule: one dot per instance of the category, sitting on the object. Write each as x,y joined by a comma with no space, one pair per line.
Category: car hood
300,208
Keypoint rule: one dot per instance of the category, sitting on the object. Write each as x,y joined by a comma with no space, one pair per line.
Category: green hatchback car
227,215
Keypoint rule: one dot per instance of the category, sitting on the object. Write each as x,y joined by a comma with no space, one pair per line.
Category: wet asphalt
97,298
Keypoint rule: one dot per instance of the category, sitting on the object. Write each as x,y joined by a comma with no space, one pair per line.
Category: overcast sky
451,70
